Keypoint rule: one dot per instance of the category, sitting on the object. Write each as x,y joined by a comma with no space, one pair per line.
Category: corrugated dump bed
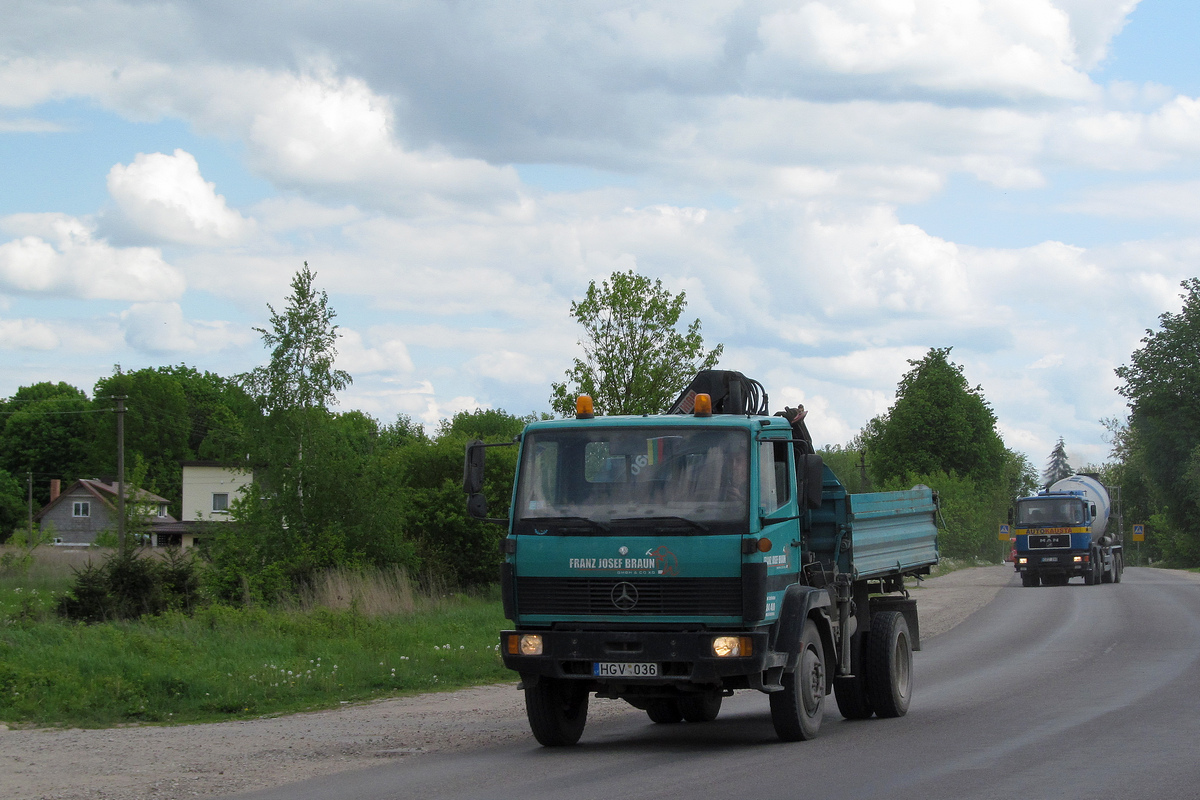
893,531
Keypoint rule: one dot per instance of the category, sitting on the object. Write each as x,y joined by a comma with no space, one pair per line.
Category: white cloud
29,126
321,131
507,366
1158,199
279,214
27,334
160,329
1011,48
59,257
167,197
383,354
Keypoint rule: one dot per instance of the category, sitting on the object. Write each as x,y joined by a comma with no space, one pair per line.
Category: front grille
702,597
1043,541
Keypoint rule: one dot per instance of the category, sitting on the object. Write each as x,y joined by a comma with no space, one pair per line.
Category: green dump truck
670,560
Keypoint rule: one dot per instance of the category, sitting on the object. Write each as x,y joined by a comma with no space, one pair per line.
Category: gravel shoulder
168,762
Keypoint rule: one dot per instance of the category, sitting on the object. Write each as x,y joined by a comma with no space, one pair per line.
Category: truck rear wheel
701,707
1119,564
664,712
557,711
1029,579
889,664
796,711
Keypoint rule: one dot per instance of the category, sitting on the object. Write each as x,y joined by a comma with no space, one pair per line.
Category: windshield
1045,512
696,480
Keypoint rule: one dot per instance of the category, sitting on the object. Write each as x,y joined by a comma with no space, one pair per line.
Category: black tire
889,664
664,712
1107,576
557,711
1119,563
701,707
1090,577
851,692
1030,579
796,711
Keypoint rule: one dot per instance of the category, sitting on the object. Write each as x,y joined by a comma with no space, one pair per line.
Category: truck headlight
1022,560
525,644
1078,559
731,646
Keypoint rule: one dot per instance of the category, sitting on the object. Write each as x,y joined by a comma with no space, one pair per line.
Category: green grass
354,637
225,663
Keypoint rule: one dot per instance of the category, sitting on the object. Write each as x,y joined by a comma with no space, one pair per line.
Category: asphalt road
1049,692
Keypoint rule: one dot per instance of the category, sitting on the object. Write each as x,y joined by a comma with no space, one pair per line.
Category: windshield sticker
659,561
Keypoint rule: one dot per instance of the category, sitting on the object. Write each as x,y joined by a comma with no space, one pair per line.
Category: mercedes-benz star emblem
624,596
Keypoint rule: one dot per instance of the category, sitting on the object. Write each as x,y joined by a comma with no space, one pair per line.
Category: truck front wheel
1029,579
889,664
664,712
796,711
557,711
701,707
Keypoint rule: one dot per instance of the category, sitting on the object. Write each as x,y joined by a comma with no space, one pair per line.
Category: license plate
1049,558
624,669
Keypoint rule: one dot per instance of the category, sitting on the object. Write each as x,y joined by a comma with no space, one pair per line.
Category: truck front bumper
1057,563
681,657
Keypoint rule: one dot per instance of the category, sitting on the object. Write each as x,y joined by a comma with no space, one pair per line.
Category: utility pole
29,540
121,471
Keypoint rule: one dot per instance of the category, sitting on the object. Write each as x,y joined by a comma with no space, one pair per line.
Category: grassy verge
226,663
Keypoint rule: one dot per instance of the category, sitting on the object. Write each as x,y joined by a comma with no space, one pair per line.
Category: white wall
201,483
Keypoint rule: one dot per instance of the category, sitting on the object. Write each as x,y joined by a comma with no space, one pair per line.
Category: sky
837,187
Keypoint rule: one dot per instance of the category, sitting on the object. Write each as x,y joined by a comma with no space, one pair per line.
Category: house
208,490
89,507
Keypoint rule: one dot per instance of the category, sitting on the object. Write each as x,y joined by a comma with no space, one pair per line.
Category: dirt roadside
165,763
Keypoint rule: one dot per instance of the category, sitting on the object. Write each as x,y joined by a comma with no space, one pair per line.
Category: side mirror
477,506
473,469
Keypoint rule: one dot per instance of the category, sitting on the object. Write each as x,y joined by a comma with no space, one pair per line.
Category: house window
220,503
82,508
162,511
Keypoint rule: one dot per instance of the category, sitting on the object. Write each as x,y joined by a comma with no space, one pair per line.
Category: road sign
1004,533
1139,533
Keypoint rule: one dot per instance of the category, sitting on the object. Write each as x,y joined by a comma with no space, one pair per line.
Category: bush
129,585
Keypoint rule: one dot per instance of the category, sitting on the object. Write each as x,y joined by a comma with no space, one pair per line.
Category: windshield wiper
568,523
662,521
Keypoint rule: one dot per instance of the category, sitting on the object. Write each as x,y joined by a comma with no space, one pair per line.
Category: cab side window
774,488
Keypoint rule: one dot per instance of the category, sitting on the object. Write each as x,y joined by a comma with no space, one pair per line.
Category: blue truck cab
671,560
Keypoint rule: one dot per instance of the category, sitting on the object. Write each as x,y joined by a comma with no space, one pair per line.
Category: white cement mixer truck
1063,532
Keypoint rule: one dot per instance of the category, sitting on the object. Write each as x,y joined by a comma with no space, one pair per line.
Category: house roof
104,492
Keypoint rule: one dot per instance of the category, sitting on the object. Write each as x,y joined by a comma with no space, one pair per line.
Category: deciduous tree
939,422
294,389
1162,385
48,429
635,360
